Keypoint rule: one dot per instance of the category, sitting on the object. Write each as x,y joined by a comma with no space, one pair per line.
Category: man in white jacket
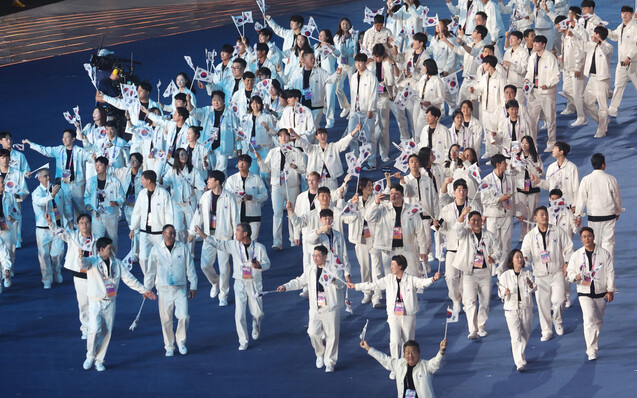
624,35
103,198
478,252
153,209
217,215
548,249
402,302
414,376
249,192
561,174
325,291
170,267
599,195
597,68
543,73
489,88
514,62
572,65
103,273
591,268
497,199
249,260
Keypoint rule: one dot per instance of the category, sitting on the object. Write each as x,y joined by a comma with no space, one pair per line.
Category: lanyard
476,244
244,252
537,241
69,161
107,272
503,183
583,267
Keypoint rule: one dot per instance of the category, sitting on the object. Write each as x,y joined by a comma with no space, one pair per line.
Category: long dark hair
177,165
448,161
328,36
339,31
188,82
509,261
532,148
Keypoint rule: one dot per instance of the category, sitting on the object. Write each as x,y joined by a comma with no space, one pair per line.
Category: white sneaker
319,362
214,291
84,335
256,330
223,302
567,111
612,112
543,126
329,124
99,366
579,122
482,333
392,375
88,363
58,277
521,368
457,307
549,148
243,347
472,336
183,350
599,135
592,357
344,112
366,298
170,352
568,303
7,282
303,294
329,368
376,303
47,285
546,337
559,330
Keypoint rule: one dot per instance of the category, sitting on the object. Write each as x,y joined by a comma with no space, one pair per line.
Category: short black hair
434,111
398,188
326,213
379,18
297,19
401,261
218,93
138,156
540,39
245,227
412,343
421,37
150,175
540,208
103,242
512,87
564,147
460,182
84,215
244,158
556,191
474,213
102,159
482,31
491,60
517,34
360,57
217,175
497,159
598,161
322,249
146,86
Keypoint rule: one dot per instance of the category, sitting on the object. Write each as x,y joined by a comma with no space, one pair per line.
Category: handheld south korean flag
428,22
474,172
171,90
379,186
451,83
527,87
203,75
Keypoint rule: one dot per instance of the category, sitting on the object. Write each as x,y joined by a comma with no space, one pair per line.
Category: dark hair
512,104
218,93
473,152
266,32
339,31
227,48
4,135
360,57
512,87
434,111
421,37
196,129
177,165
321,249
556,191
5,153
326,213
411,343
298,19
491,60
294,93
474,213
597,161
244,158
398,188
263,47
165,227
559,19
102,159
258,100
564,147
245,227
576,10
264,70
321,130
183,112
321,190
431,65
400,260
532,148
180,97
84,215
482,31
460,182
241,62
146,86
497,159
247,75
362,182
482,14
589,229
424,154
602,31
378,50
379,18
540,208
74,132
468,103
528,32
103,242
540,39
588,3
448,161
509,260
137,156
627,9
150,175
517,34
217,175
413,155
188,82
329,38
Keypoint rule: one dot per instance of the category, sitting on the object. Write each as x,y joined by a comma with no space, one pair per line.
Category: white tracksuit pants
146,243
549,296
453,277
593,319
279,198
519,323
244,295
128,212
105,224
605,234
76,193
542,103
622,74
172,300
82,302
527,203
9,238
208,256
476,288
597,91
328,322
502,228
401,329
573,88
370,263
100,327
50,252
368,125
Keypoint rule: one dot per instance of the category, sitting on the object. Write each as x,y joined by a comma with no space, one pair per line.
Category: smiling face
169,235
475,222
518,261
412,355
588,239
